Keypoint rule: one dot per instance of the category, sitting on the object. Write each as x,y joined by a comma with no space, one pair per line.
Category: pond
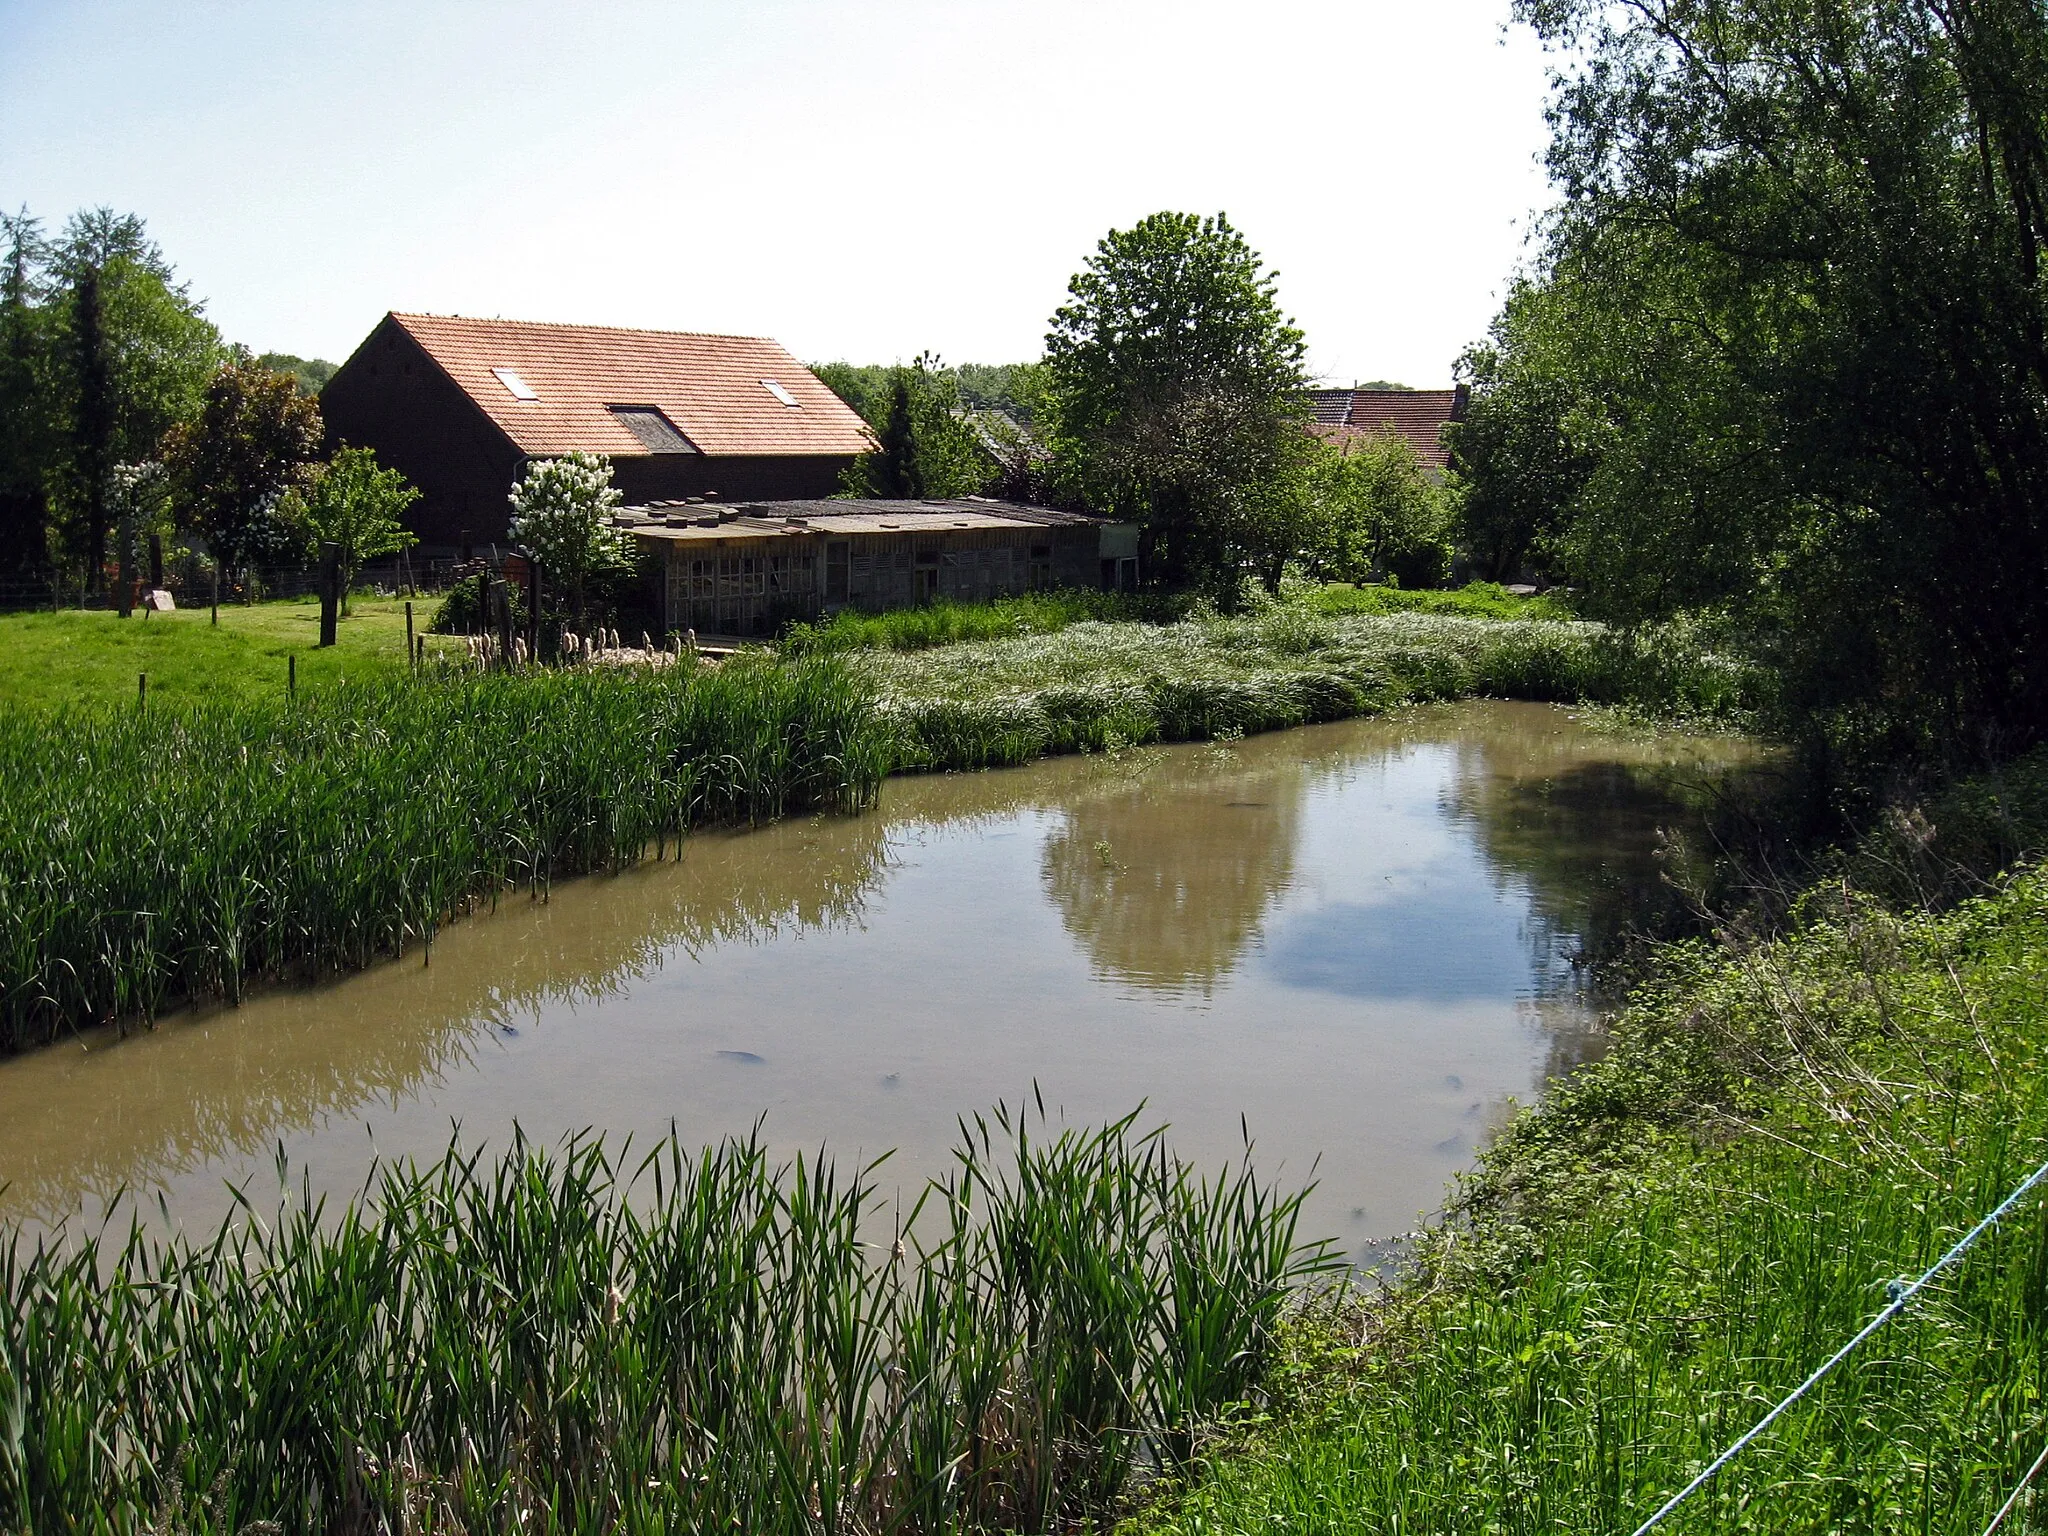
1354,943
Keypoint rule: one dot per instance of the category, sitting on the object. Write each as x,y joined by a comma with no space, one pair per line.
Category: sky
860,179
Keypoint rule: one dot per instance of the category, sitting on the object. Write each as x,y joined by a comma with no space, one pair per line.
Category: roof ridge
577,325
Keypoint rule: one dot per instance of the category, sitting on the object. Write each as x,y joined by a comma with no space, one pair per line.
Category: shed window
656,432
515,385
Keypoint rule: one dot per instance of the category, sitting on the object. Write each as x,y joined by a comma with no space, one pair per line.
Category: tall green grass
946,622
1475,600
1681,1232
1096,686
585,1341
149,856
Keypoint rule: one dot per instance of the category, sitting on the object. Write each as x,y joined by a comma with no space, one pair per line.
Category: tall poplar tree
25,424
132,358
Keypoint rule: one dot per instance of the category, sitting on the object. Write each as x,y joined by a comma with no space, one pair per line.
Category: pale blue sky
857,178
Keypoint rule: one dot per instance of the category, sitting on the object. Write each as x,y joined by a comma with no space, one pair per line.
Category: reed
1650,1259
148,857
583,1339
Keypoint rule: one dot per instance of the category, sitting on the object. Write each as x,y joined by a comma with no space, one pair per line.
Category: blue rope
1900,1297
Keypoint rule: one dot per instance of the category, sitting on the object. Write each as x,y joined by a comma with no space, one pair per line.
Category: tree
1175,391
355,505
27,426
560,513
130,360
1517,456
924,445
1378,514
255,439
1798,264
310,373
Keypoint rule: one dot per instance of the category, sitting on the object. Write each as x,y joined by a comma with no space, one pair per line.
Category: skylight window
520,389
780,393
656,432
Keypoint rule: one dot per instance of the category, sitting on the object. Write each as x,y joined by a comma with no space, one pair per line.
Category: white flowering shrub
560,513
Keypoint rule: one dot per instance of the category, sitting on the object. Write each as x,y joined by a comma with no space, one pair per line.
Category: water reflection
106,1114
1166,882
1356,937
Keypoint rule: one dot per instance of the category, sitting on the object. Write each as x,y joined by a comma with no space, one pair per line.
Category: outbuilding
460,406
750,568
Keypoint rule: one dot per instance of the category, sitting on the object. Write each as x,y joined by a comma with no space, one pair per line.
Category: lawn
68,658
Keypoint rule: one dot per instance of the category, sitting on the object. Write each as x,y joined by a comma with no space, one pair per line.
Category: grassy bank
686,1340
74,658
148,856
1094,686
1681,1232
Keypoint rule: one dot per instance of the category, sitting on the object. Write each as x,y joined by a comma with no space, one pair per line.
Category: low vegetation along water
1354,943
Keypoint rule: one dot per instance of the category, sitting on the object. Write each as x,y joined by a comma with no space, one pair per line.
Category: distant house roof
555,389
1332,406
688,521
1344,416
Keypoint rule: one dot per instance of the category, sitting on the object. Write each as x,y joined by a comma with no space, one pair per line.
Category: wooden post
141,689
533,608
216,593
504,596
408,639
330,590
156,561
291,677
125,568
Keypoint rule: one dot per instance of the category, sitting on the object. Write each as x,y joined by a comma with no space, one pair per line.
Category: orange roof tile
709,387
1420,415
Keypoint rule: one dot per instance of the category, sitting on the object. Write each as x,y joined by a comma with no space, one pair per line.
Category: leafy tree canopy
254,439
1788,330
127,354
356,505
310,373
1175,389
1378,514
924,447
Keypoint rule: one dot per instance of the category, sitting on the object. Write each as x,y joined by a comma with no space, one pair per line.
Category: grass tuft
582,1340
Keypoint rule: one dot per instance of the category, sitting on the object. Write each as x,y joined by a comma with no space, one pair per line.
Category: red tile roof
1420,415
709,387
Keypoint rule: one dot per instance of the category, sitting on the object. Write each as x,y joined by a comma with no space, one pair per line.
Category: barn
748,569
460,406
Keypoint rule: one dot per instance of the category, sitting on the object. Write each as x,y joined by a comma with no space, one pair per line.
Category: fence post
330,595
216,592
125,569
533,607
291,677
408,638
504,597
141,689
156,561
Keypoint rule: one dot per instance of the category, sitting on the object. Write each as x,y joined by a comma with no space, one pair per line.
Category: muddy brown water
1354,940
